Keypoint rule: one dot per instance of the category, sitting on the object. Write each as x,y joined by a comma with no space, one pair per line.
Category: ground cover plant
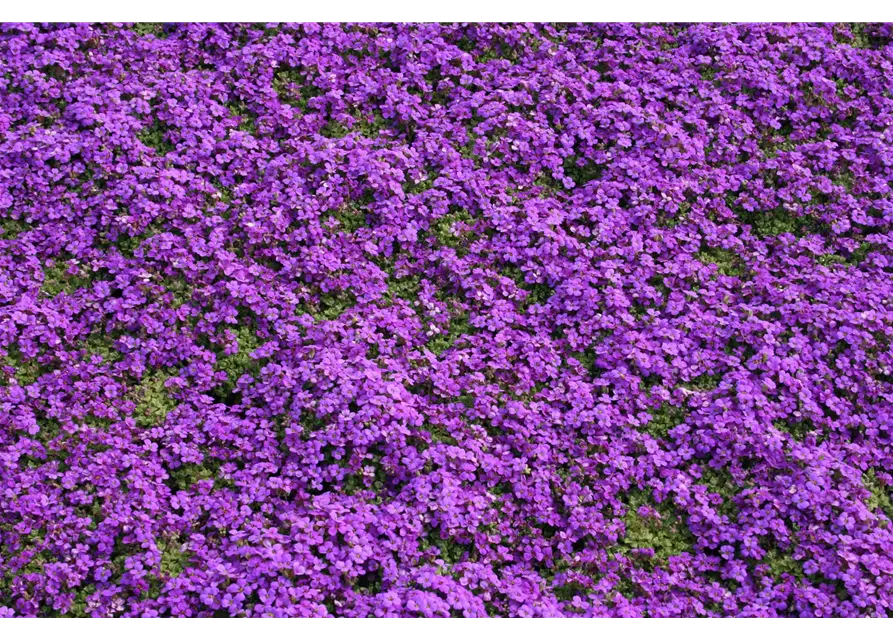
446,320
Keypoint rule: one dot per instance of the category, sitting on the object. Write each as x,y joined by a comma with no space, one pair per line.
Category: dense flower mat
367,320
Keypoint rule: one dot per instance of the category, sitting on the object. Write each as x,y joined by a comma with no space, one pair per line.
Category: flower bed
428,320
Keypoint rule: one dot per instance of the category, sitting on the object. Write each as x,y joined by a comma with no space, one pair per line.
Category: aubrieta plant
446,320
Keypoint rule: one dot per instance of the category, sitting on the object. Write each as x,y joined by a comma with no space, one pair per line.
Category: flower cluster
446,320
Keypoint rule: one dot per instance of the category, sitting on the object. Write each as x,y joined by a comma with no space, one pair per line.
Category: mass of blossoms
446,320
